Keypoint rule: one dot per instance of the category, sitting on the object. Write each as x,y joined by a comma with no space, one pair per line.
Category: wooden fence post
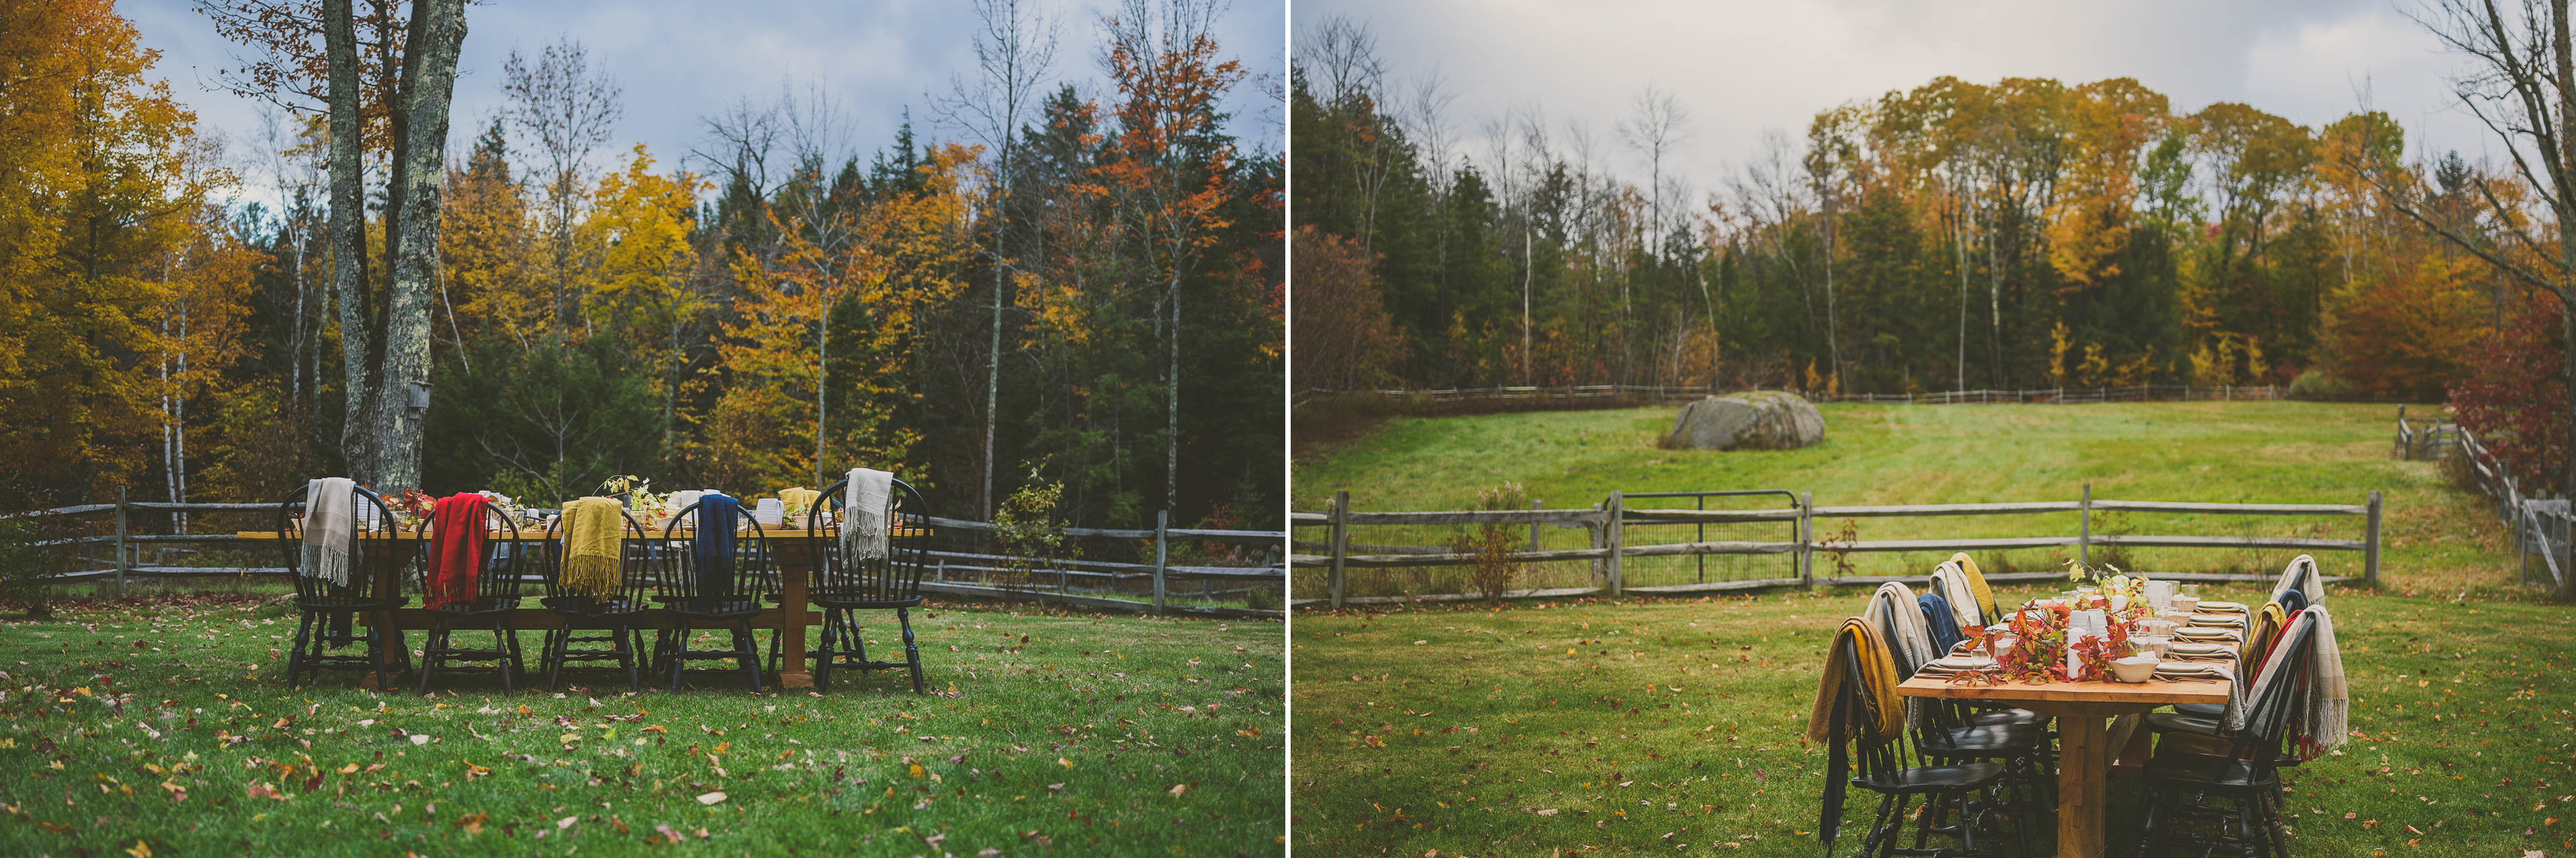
2084,537
2370,546
1533,546
1614,533
1341,536
1806,539
1162,530
121,562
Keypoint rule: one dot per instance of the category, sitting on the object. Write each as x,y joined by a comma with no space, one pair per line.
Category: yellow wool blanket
2267,625
1976,584
593,533
799,498
1886,717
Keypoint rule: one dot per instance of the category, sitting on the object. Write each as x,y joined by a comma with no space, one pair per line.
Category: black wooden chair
2197,762
495,604
614,613
844,586
327,612
1960,799
699,597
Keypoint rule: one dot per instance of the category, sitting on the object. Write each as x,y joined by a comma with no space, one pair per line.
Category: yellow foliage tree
787,371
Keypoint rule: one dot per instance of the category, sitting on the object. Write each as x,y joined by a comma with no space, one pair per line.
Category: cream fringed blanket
328,527
863,519
591,531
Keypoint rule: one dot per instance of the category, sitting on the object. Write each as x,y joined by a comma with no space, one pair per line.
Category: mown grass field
162,726
2437,539
1675,727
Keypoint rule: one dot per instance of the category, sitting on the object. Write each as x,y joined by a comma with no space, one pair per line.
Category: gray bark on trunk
428,85
348,243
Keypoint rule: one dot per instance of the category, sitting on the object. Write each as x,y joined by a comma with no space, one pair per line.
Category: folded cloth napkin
1977,584
798,498
863,509
328,504
593,531
2329,704
717,517
2301,575
456,548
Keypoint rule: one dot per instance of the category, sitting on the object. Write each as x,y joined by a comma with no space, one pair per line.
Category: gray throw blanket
329,527
863,514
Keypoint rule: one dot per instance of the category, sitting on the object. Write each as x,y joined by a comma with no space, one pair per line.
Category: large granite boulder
1752,420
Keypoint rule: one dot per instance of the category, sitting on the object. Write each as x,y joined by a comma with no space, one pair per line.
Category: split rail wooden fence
1609,523
958,568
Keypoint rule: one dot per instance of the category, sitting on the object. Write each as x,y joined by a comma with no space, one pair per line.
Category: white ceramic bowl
2135,668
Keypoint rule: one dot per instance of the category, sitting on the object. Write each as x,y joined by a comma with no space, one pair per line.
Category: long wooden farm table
788,547
2084,748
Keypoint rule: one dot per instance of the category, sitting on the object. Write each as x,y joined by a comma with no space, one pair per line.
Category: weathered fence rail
954,572
1622,395
1608,523
2538,525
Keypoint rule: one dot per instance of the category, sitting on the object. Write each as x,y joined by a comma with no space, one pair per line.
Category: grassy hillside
2437,539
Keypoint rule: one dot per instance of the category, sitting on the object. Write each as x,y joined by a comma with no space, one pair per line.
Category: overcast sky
679,61
1743,67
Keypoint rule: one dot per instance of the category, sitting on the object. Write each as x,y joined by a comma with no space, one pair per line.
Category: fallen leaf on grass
566,822
1177,789
472,822
668,834
716,797
140,850
262,790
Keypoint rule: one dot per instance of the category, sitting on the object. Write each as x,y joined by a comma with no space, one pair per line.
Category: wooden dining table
2083,710
787,547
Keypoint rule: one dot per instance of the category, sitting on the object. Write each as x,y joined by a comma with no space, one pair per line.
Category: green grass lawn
2437,539
166,721
1675,727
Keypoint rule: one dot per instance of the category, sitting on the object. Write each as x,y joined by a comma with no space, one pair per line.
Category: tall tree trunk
348,245
428,84
993,359
1172,398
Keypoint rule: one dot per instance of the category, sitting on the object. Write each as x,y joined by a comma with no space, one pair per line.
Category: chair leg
295,655
630,645
504,646
822,658
551,660
433,652
679,651
747,648
911,651
2272,824
2147,830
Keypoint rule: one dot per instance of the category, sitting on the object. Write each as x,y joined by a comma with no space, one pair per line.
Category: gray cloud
679,61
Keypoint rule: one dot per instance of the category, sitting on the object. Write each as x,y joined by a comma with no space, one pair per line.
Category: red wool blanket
456,548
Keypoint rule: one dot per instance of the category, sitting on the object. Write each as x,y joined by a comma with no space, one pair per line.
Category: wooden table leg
791,630
2083,774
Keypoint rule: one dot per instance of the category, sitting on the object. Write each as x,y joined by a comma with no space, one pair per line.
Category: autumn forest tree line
1040,280
2019,233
